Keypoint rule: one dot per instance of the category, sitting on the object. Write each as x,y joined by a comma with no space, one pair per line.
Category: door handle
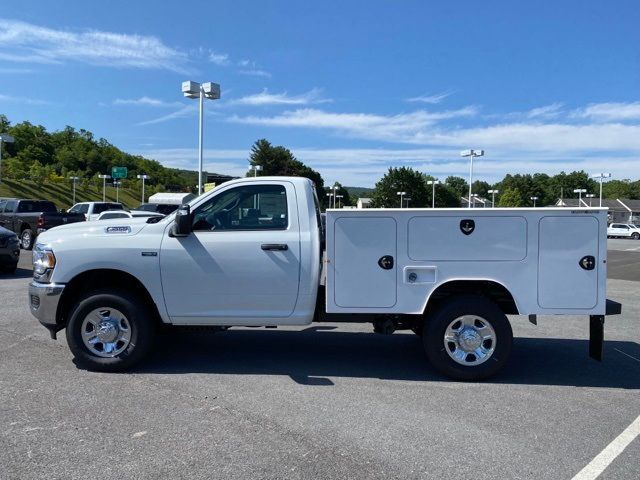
275,246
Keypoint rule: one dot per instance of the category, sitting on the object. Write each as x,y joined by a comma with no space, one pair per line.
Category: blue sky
352,87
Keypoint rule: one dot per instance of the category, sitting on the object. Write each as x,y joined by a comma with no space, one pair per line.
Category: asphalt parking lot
327,401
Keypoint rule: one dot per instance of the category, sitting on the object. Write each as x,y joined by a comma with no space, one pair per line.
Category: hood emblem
117,230
467,226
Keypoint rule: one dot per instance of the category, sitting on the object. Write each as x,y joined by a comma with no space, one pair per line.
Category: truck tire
109,331
468,337
26,239
635,235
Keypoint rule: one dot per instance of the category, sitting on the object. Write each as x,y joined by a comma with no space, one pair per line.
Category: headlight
44,261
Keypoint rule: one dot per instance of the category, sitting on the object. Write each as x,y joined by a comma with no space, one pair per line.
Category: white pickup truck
252,253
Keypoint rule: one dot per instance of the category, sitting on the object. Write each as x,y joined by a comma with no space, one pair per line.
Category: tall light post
474,196
4,138
143,177
335,189
471,154
493,197
256,169
534,199
402,194
74,180
601,176
117,184
200,91
433,184
330,195
339,197
590,196
407,199
104,186
579,191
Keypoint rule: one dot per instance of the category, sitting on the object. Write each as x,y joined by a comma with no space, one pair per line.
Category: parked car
91,210
249,253
9,250
623,230
110,214
30,218
163,208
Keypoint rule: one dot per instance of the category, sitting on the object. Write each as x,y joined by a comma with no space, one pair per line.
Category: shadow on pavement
312,355
20,273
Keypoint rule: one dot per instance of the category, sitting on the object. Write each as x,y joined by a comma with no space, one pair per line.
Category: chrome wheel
106,332
26,240
470,340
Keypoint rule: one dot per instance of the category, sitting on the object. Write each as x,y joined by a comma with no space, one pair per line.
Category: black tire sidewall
142,330
436,325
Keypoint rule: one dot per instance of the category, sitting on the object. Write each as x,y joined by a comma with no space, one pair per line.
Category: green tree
619,189
401,179
280,161
458,185
512,197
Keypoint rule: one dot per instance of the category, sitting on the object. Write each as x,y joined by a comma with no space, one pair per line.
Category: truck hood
98,228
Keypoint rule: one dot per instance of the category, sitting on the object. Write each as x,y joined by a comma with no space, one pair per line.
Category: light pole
402,194
74,180
471,154
339,197
407,199
256,169
493,197
534,201
601,176
117,183
200,90
6,139
579,191
104,185
143,177
474,196
590,196
330,195
433,184
335,189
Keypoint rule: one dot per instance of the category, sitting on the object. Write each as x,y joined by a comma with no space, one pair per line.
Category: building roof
610,203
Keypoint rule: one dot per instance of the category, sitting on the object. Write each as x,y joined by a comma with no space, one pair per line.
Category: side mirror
182,224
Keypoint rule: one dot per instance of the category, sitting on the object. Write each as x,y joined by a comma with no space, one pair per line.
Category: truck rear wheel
109,331
468,338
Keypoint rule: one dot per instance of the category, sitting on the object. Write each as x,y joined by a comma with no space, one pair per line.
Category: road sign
119,172
209,186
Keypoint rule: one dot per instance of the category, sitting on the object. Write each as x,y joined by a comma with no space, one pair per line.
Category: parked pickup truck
250,253
624,230
30,218
92,210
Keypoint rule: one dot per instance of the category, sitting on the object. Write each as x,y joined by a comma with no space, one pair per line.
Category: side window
84,208
10,207
2,204
249,207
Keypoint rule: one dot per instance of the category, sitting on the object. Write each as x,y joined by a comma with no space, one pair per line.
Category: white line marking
630,356
609,454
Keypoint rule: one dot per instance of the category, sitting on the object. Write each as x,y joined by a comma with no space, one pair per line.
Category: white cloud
266,98
182,112
430,99
28,43
401,128
608,112
220,59
145,102
548,111
255,72
24,100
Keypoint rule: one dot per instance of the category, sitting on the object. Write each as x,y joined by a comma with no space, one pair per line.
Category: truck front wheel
109,331
26,239
468,337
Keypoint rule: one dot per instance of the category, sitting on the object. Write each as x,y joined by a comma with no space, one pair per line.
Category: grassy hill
359,192
61,193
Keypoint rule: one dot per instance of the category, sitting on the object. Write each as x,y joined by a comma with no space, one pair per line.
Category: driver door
241,262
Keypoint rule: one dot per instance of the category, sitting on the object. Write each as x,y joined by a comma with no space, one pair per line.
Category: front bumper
43,302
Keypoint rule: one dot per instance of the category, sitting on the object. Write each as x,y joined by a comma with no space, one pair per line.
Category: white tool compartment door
360,244
565,242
